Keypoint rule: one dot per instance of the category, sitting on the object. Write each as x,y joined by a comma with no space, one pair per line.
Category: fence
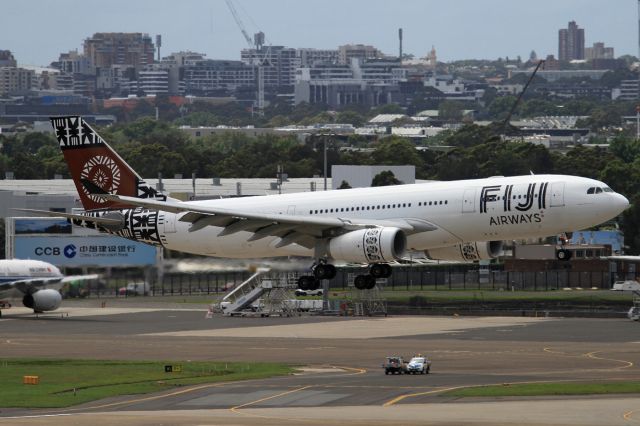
414,277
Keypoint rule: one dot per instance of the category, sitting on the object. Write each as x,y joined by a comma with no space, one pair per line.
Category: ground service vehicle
418,364
394,365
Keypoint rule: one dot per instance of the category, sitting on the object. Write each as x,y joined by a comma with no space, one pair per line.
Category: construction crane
258,62
236,17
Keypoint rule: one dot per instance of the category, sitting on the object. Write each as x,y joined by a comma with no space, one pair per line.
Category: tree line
152,148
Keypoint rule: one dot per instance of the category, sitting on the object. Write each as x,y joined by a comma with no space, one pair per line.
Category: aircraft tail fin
95,167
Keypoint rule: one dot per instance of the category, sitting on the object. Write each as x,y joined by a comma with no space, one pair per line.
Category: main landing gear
321,271
325,271
368,282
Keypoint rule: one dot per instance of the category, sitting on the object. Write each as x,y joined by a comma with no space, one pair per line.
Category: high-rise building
7,59
17,81
571,42
107,49
218,78
598,51
360,51
279,66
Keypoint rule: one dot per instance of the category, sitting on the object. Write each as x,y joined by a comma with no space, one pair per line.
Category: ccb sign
47,251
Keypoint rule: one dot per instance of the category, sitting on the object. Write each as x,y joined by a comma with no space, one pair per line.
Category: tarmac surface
341,381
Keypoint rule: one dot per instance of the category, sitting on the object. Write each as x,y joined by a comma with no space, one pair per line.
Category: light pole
325,162
638,122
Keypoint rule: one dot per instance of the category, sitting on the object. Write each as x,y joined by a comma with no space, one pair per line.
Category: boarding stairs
241,297
261,294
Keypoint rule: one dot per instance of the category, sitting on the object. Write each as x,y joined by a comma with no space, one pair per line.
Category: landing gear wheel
370,282
324,271
360,282
380,270
563,254
377,270
307,282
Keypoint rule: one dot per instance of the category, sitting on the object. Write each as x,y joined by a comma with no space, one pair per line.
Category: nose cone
620,203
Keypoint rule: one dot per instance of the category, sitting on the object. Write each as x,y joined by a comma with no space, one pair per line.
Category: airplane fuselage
498,208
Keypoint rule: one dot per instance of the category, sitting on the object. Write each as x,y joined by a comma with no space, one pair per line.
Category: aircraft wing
31,284
27,285
106,221
303,230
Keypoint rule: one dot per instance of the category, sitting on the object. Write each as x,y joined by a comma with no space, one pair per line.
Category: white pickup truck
418,364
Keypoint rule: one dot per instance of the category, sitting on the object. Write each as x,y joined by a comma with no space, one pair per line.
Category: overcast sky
36,31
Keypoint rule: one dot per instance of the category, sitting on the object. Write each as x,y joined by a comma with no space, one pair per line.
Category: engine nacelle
371,245
43,300
468,252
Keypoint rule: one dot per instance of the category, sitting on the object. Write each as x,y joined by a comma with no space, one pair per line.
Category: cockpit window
607,189
598,190
591,190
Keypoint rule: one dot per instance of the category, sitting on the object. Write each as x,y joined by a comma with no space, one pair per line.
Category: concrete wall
361,176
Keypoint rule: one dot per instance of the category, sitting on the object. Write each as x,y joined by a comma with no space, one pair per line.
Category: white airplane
37,282
457,220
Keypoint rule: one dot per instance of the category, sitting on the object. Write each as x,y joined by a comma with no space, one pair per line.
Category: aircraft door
291,210
169,221
469,200
557,194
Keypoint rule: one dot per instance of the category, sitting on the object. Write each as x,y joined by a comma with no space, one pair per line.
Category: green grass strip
95,379
548,389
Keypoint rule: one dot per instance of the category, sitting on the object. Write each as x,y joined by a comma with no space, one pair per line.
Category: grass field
93,379
550,389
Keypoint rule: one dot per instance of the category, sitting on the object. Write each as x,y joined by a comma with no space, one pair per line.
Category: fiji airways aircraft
457,220
35,281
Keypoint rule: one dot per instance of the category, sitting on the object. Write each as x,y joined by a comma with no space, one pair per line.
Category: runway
342,381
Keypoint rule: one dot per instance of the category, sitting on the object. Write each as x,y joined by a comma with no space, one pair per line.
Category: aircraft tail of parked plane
37,282
95,167
464,220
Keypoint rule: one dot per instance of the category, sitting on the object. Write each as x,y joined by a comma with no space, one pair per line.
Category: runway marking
411,395
356,371
237,409
628,416
592,355
145,399
257,401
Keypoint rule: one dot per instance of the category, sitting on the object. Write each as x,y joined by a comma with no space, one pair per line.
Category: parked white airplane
457,220
37,282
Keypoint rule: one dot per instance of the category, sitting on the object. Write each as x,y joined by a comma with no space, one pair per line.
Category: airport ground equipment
394,365
264,293
634,312
367,302
418,365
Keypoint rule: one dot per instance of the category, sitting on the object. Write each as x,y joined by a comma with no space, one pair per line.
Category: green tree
450,110
385,178
344,185
397,151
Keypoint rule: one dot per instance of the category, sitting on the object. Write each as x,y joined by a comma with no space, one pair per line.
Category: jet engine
371,245
467,252
43,300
